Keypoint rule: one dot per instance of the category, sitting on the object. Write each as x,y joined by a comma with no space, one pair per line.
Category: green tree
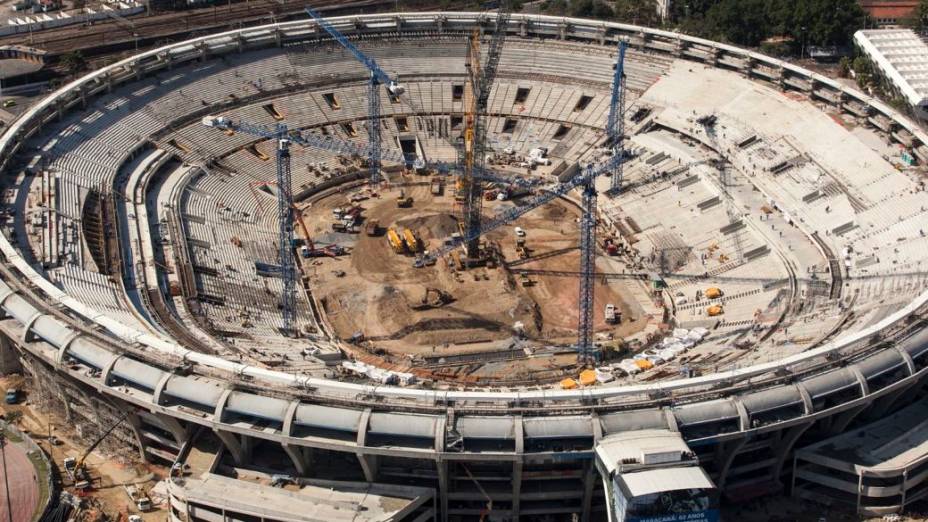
73,62
636,12
591,9
554,7
844,67
918,20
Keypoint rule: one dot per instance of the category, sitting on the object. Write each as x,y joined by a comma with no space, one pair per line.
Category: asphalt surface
23,484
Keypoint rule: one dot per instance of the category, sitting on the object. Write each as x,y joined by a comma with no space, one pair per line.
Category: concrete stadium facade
743,423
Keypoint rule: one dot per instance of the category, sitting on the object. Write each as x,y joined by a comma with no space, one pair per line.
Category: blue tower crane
615,125
281,134
377,77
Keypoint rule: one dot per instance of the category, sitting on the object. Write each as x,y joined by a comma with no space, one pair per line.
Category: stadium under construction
464,265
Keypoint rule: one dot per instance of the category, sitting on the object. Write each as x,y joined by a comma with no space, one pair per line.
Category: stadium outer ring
721,55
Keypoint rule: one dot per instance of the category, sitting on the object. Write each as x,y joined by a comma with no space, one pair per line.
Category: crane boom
508,216
370,63
339,146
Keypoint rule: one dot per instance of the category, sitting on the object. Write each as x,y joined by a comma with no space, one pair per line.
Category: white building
901,57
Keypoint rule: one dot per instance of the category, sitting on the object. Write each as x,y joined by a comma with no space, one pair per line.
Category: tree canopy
749,22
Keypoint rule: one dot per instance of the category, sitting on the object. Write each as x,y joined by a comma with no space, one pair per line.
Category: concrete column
171,424
589,472
785,447
368,462
294,452
9,357
884,404
725,454
442,468
229,440
841,420
134,423
232,444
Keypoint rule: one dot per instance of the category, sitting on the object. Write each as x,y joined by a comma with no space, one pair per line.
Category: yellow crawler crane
395,241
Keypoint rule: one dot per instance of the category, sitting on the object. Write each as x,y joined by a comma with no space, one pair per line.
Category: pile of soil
436,226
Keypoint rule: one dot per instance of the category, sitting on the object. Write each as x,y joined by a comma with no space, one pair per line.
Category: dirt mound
435,226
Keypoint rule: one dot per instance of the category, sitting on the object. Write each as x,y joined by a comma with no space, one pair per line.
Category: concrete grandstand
772,274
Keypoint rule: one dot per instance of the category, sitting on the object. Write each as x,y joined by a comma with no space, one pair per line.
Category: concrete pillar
171,424
725,454
134,423
785,447
590,473
840,421
9,357
368,462
294,452
442,468
231,442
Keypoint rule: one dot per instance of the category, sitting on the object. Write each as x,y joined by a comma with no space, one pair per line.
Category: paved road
24,487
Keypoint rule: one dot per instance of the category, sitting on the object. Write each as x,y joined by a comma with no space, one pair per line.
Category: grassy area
12,437
42,473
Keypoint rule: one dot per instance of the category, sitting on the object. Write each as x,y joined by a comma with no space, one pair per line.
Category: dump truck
412,242
395,241
138,497
612,317
372,227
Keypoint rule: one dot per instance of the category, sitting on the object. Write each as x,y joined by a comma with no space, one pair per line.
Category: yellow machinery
568,384
411,241
715,310
713,293
395,241
587,378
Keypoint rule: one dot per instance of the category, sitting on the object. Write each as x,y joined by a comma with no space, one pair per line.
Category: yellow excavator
75,468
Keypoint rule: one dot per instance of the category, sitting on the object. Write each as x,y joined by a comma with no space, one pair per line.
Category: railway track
158,27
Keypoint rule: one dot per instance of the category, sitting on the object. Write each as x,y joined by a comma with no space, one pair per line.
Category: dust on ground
378,293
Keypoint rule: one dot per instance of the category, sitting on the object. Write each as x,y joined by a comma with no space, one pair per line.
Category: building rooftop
318,500
902,56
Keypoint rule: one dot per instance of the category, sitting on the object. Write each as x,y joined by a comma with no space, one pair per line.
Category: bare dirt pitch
378,293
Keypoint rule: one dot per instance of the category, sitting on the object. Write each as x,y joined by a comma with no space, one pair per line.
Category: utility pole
6,477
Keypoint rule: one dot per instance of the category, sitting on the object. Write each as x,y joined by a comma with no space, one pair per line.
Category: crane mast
615,125
285,235
475,124
378,77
